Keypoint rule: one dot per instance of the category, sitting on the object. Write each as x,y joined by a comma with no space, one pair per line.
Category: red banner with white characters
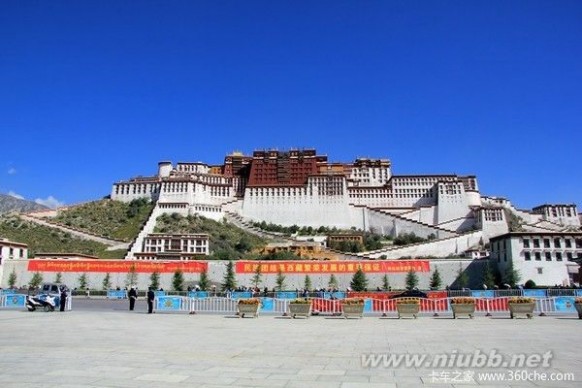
335,267
116,266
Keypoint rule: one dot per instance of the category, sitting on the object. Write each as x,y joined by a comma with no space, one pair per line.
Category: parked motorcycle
45,303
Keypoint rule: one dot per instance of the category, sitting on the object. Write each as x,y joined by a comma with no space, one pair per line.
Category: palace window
548,256
546,242
525,243
527,256
538,256
558,256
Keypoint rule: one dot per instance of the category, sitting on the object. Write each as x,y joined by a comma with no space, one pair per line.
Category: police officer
132,295
151,297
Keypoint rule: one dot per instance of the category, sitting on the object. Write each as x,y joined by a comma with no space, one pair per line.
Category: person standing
132,294
63,301
151,297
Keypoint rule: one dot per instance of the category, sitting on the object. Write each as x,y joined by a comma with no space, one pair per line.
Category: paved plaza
133,349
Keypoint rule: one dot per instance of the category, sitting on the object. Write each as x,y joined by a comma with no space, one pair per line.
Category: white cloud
50,201
13,194
11,171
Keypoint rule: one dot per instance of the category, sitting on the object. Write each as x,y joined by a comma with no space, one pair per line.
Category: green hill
111,219
227,242
43,239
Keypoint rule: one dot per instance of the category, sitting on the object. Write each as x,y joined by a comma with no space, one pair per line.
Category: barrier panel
171,303
198,294
565,304
286,295
241,294
561,292
483,294
267,305
8,291
116,294
160,293
535,293
281,305
13,300
213,305
507,293
326,306
545,306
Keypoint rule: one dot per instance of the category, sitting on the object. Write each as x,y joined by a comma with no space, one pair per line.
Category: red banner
335,267
115,266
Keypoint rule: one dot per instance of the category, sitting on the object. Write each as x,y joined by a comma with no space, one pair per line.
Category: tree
178,280
82,281
332,282
488,276
12,279
107,282
411,280
359,281
385,282
131,278
257,277
204,282
511,275
280,281
155,280
307,283
229,281
435,280
36,280
59,277
462,277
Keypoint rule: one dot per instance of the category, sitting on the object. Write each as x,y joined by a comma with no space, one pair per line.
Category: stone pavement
134,349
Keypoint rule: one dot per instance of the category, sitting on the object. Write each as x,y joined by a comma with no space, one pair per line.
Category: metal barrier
213,305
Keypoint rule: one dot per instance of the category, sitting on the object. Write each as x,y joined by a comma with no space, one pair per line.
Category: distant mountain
9,204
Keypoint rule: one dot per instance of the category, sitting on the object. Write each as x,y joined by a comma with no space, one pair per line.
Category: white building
541,257
10,250
162,246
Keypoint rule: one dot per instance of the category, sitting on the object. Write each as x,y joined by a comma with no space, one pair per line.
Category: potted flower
353,307
578,305
463,306
301,307
521,305
408,306
249,306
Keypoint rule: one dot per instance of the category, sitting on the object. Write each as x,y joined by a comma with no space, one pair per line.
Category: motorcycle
45,302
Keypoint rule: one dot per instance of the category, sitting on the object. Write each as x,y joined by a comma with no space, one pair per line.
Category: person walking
132,294
151,297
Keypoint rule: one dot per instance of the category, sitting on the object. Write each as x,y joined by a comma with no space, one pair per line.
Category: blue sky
92,92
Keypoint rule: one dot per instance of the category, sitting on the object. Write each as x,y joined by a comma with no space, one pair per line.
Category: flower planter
516,309
407,309
463,309
353,310
248,309
300,309
579,309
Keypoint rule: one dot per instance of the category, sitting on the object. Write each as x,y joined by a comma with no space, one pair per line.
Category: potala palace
300,187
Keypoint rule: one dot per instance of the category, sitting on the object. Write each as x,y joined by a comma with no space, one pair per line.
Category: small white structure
10,250
541,257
